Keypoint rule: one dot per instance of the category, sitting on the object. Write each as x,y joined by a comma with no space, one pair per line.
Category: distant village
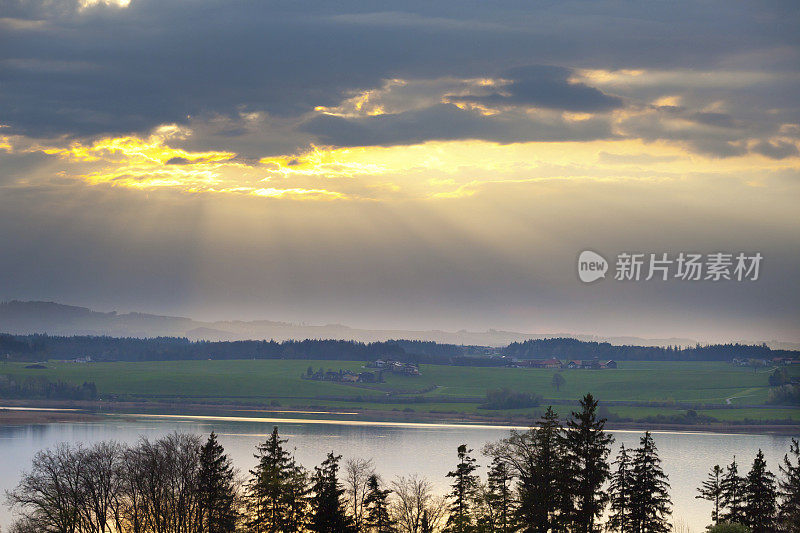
371,376
775,361
592,364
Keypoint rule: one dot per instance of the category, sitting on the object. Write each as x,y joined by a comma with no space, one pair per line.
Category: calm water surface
397,449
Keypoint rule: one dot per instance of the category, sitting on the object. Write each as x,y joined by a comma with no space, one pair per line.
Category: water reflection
396,447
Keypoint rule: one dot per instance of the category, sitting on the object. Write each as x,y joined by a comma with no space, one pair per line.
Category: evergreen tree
541,490
620,493
295,498
789,485
587,449
465,484
377,505
216,488
732,495
329,515
711,490
650,502
500,497
760,497
276,495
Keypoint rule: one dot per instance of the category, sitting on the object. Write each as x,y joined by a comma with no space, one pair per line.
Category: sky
428,165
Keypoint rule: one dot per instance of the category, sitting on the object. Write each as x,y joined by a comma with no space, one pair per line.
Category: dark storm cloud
776,150
447,122
545,86
106,69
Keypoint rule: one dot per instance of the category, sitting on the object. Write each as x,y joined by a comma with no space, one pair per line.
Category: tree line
552,478
41,347
569,349
40,387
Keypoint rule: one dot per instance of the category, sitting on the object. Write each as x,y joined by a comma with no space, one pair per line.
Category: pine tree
650,502
216,488
711,490
329,514
789,485
377,505
276,495
587,449
760,497
465,484
500,497
732,495
620,493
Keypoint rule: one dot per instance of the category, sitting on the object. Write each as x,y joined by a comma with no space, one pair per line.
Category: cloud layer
424,164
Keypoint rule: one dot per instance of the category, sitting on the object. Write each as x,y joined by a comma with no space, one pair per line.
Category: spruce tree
587,448
295,498
760,497
732,495
216,488
329,515
711,490
276,495
650,502
377,505
542,493
464,487
500,496
789,485
620,493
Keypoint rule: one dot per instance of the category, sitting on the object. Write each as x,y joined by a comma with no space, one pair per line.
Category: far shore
22,412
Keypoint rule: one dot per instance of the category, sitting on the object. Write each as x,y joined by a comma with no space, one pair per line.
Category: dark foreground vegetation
44,347
42,388
552,478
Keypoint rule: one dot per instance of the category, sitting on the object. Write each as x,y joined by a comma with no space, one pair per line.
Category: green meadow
648,388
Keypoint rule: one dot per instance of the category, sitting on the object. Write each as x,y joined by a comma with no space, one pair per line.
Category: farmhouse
543,363
397,367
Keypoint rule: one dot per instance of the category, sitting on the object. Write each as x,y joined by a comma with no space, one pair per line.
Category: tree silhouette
711,490
329,514
587,468
500,496
760,497
276,494
464,487
789,485
620,493
377,504
215,482
650,501
733,495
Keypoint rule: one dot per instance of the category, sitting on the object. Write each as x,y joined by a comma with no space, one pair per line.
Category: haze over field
56,319
406,166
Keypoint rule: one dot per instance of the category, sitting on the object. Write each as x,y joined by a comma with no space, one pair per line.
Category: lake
396,448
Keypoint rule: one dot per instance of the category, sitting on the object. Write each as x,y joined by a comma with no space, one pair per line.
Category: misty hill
20,318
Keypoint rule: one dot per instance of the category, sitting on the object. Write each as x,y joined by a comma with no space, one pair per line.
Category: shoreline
22,412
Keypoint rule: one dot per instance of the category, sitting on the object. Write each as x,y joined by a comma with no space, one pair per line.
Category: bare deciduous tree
49,494
357,474
415,507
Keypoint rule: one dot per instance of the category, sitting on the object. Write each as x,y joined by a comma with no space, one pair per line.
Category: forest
44,347
551,478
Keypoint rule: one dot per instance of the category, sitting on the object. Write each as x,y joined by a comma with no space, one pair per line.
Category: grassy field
445,388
